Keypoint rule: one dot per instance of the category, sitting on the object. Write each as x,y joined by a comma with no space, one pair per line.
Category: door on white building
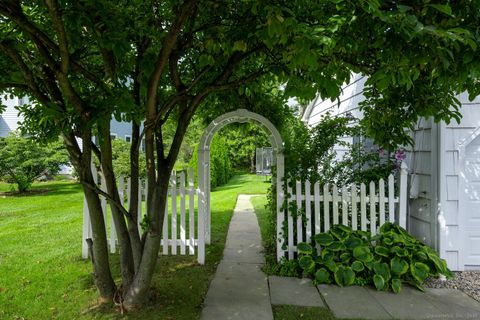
470,208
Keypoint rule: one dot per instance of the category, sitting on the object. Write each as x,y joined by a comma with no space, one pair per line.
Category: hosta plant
386,260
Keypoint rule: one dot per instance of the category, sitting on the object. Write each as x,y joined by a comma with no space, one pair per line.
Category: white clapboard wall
183,229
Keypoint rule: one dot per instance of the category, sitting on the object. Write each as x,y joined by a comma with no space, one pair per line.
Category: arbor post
240,115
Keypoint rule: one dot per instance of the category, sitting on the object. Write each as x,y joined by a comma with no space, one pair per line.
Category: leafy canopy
417,54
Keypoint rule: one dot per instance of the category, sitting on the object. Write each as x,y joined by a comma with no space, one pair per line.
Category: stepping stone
294,291
242,235
247,255
352,302
454,304
250,271
236,298
410,303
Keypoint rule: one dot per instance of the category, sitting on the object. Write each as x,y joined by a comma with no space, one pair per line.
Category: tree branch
52,6
26,72
167,47
8,85
174,75
236,83
13,11
110,199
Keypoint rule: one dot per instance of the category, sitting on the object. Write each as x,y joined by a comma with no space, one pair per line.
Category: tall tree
84,62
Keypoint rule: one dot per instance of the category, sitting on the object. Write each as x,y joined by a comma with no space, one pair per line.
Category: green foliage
121,159
221,168
242,141
192,136
23,160
310,153
386,260
287,268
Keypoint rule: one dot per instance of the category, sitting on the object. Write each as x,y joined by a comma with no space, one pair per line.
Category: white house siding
351,95
121,129
441,195
9,118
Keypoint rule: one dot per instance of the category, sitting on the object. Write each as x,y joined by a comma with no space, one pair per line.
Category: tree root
118,299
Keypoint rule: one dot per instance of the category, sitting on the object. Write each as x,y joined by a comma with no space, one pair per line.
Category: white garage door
470,215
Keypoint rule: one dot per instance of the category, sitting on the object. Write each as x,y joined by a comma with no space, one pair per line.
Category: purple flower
381,152
400,155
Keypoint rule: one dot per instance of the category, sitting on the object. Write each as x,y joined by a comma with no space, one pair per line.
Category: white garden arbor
242,116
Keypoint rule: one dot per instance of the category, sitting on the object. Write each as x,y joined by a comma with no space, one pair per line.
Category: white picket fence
354,206
183,228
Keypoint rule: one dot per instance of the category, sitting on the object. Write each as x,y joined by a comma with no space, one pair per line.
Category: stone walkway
410,303
239,289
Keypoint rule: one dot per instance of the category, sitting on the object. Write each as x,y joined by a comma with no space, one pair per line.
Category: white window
128,138
113,136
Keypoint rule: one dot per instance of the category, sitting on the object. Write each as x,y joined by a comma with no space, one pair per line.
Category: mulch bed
24,194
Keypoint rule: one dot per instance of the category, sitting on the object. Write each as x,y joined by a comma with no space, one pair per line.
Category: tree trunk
133,205
100,260
126,252
138,290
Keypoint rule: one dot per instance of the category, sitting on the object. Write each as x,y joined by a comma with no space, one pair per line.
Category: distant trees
22,160
242,141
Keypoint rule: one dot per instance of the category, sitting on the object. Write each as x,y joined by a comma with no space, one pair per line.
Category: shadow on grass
46,189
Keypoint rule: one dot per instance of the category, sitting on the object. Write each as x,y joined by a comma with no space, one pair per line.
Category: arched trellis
240,115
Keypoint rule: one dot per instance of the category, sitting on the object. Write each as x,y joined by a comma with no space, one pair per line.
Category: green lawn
304,313
42,275
268,231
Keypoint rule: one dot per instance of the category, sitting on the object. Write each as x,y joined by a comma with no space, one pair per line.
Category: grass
42,275
305,313
267,224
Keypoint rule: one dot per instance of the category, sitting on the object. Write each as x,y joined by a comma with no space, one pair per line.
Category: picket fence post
290,222
402,210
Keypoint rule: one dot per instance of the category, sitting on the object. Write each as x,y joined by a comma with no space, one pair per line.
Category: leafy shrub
386,260
285,268
221,169
23,160
121,159
310,153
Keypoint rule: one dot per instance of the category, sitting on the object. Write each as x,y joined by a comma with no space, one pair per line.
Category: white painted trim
308,111
239,115
441,220
467,140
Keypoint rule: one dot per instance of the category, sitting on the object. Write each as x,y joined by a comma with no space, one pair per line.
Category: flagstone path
240,290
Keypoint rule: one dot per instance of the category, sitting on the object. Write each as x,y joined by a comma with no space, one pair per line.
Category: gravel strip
466,281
